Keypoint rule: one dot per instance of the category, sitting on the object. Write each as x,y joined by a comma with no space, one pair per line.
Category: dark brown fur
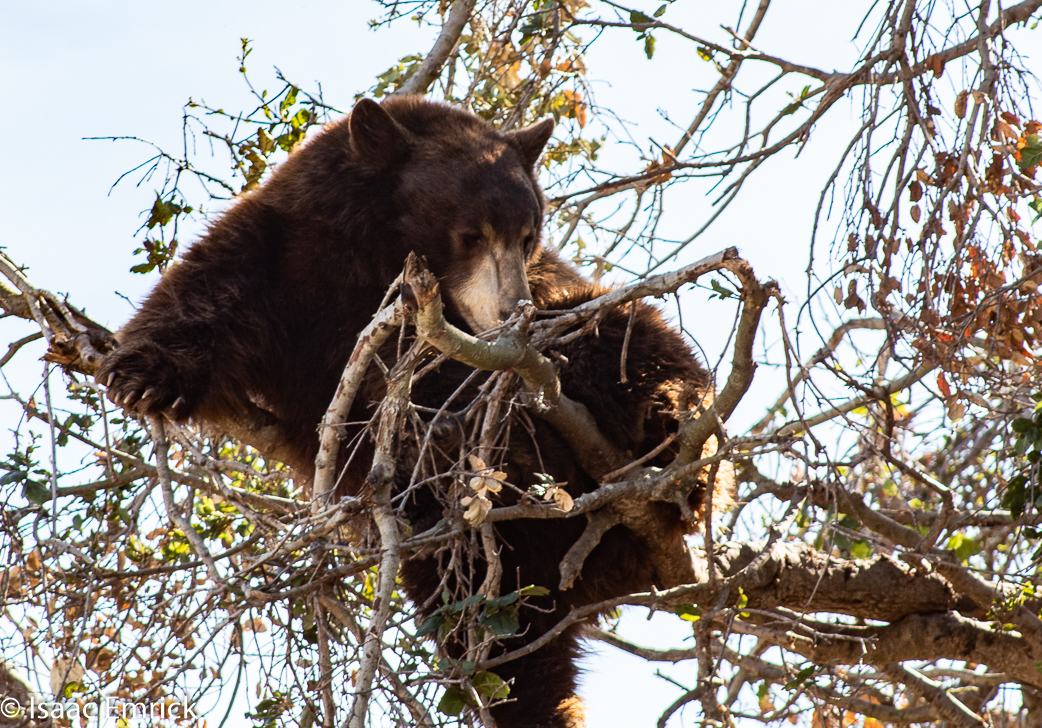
265,310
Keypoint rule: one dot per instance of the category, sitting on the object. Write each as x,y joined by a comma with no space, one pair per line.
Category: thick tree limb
926,636
882,713
798,577
14,303
73,339
993,598
795,576
430,67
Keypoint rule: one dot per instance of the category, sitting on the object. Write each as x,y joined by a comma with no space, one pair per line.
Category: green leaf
72,688
649,45
490,685
504,601
452,702
1031,152
719,290
1016,496
1036,205
660,12
503,622
288,101
963,546
1021,424
162,212
143,268
464,603
533,591
860,550
797,102
287,141
36,493
300,119
638,18
800,678
15,476
688,612
267,144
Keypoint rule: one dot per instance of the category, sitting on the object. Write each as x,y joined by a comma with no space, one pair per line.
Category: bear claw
139,394
130,399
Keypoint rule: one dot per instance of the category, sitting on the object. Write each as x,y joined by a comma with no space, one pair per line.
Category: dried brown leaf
960,104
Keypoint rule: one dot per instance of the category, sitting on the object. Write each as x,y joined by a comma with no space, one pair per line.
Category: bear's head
465,195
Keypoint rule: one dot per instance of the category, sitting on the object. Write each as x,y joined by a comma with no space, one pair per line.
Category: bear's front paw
140,378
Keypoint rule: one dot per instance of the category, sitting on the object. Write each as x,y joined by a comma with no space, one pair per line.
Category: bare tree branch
947,705
431,66
370,340
393,415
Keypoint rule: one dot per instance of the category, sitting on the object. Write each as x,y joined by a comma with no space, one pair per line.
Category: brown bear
265,310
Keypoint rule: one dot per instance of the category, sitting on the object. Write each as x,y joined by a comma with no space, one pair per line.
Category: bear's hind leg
543,691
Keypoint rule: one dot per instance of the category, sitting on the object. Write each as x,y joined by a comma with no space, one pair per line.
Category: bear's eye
471,240
528,242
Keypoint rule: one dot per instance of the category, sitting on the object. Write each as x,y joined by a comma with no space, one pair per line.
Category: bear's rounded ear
532,139
375,136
